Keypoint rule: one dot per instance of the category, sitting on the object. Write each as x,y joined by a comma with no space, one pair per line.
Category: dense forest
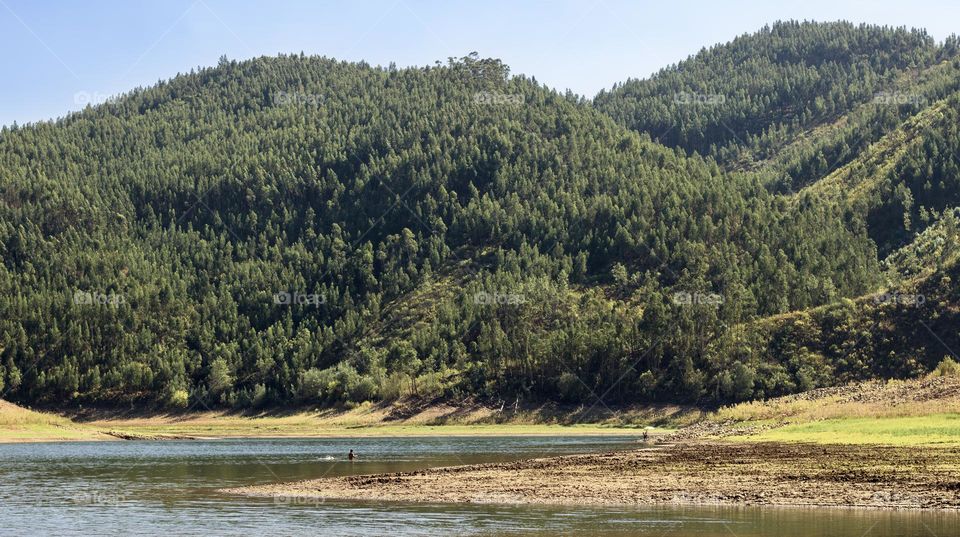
300,230
760,87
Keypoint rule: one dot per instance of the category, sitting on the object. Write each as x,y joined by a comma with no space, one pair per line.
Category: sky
60,54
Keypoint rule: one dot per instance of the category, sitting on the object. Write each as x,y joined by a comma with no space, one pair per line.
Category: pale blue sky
56,54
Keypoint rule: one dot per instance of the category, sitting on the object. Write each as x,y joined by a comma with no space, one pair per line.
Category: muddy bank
715,473
122,435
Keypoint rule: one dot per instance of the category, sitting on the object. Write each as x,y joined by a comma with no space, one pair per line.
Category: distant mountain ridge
760,87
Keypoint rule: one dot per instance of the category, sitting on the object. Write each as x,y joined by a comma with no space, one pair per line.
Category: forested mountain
297,230
761,88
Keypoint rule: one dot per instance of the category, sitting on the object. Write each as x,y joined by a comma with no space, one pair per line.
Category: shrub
946,368
313,383
178,399
219,379
429,385
570,388
365,390
646,385
395,386
255,397
338,384
259,396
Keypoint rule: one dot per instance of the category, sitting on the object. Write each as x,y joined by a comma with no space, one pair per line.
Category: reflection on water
170,488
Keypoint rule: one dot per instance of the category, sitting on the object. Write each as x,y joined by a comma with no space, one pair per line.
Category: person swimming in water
351,456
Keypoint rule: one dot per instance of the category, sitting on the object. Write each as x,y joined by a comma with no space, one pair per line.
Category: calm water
170,488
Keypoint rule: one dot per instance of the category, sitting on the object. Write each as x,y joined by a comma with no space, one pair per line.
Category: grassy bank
18,424
407,418
921,412
937,429
899,413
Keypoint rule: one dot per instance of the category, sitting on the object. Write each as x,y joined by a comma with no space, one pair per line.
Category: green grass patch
19,424
934,429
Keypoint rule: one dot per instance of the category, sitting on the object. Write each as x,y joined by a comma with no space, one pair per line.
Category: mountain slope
297,230
904,181
763,88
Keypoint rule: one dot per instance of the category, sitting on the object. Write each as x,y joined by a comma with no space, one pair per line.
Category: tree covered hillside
297,230
760,88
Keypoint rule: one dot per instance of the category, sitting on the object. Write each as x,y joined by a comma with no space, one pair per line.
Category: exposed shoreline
890,445
18,424
385,431
697,473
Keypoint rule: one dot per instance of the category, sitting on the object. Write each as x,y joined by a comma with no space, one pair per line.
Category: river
170,488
